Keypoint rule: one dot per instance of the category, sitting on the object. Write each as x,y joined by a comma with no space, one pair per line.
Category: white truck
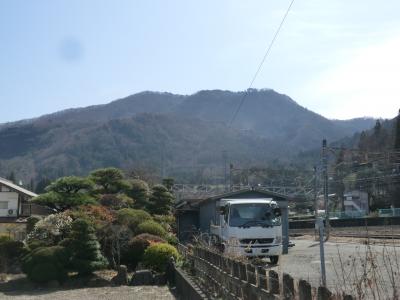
248,227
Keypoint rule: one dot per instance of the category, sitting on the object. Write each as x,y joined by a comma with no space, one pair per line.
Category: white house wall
10,200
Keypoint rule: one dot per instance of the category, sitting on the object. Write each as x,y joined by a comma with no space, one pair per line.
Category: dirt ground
102,293
97,287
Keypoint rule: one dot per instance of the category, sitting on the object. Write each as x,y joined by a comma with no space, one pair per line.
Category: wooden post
273,282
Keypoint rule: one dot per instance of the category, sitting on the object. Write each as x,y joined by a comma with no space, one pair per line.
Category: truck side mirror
277,212
222,210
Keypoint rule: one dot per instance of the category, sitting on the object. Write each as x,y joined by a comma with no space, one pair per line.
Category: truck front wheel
274,259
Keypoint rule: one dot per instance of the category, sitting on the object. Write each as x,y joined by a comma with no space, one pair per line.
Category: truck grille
259,241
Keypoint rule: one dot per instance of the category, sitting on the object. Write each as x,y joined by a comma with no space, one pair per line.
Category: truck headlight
278,239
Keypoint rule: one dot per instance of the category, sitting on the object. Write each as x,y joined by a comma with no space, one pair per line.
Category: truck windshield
252,214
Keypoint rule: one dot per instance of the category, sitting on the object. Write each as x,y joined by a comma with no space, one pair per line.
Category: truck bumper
255,250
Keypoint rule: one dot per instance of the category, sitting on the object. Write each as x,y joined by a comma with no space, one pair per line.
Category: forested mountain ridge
167,132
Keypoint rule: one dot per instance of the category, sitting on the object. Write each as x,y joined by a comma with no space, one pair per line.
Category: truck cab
248,227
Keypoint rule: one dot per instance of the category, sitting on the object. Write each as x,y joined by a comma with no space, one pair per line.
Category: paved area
350,267
104,293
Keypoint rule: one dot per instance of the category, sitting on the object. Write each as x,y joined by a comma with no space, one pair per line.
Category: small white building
356,201
15,207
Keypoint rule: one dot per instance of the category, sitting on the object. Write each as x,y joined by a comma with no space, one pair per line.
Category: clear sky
338,58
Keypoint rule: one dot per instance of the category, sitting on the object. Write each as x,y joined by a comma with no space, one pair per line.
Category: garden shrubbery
151,227
10,251
104,219
157,256
132,217
46,263
85,249
136,247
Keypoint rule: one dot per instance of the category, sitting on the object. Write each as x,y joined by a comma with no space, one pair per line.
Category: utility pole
319,225
230,177
315,194
225,158
325,180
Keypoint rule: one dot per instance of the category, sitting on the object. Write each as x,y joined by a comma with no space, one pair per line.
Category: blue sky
338,58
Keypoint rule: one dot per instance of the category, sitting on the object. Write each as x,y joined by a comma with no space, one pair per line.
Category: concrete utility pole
319,225
325,180
315,193
225,158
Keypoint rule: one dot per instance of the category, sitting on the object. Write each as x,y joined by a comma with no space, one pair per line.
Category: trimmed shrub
152,228
51,229
97,215
45,264
30,223
166,221
34,244
116,201
10,251
157,256
172,239
85,249
136,247
132,217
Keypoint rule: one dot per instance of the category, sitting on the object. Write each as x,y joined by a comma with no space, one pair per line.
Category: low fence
389,212
356,222
223,277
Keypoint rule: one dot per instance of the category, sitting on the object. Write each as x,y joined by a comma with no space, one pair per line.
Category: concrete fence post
243,271
251,274
287,287
304,290
236,270
261,277
324,293
273,282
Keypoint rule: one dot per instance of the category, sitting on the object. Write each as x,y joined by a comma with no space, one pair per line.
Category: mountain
177,135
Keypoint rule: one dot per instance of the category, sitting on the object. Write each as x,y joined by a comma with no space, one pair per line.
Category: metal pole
320,226
325,178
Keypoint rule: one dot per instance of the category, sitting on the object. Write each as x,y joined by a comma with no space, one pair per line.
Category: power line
260,65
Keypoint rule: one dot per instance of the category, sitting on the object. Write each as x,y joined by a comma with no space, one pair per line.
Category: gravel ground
346,264
103,293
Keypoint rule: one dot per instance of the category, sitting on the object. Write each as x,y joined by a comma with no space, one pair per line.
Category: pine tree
161,200
85,249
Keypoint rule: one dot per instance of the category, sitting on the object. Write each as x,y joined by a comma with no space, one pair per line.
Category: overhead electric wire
260,65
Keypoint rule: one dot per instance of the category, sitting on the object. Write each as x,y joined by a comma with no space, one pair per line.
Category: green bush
84,247
30,223
45,264
172,239
10,251
34,244
132,217
152,228
166,221
157,256
136,247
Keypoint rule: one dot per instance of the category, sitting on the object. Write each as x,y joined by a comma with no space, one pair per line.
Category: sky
338,58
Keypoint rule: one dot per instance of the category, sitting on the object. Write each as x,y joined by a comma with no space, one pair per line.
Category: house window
3,204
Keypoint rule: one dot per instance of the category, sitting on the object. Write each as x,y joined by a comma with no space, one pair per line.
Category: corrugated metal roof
17,187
